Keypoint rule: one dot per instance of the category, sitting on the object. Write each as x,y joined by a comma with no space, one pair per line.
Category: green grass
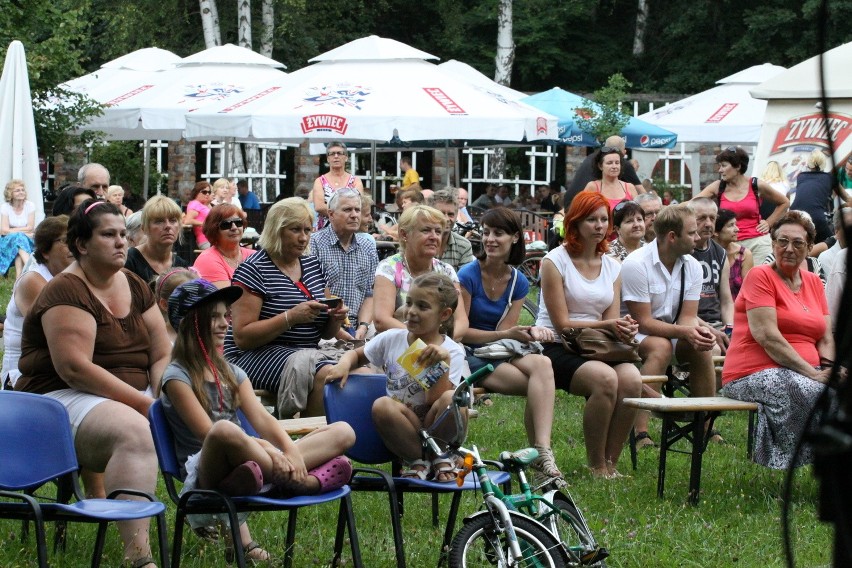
737,522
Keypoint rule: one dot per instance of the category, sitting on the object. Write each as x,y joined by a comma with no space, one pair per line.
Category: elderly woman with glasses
223,228
737,193
782,347
609,163
336,178
197,210
161,225
628,217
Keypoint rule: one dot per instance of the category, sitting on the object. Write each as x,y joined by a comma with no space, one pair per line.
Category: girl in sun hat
201,393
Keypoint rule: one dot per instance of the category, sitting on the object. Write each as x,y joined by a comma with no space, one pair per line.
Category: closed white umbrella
18,148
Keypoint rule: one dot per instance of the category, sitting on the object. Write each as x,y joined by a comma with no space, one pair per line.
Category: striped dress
259,275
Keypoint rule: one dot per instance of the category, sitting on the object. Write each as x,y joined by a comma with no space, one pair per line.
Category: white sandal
409,470
444,466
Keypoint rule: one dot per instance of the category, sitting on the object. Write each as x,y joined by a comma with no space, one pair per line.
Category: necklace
790,285
496,281
796,295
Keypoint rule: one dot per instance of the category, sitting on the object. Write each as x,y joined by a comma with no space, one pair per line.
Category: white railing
542,161
259,182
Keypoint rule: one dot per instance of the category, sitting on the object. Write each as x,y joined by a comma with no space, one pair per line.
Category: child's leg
445,469
225,447
325,443
398,426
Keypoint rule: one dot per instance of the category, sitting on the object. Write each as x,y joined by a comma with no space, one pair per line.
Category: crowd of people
106,328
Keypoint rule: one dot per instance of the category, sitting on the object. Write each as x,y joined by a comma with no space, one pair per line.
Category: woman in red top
782,348
734,192
608,166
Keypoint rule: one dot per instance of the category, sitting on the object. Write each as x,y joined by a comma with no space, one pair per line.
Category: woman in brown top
95,341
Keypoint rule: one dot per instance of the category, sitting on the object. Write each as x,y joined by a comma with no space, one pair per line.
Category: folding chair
208,501
353,404
37,448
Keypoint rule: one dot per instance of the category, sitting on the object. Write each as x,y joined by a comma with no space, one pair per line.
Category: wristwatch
364,323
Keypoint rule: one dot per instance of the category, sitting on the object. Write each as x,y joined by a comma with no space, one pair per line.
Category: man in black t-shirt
715,305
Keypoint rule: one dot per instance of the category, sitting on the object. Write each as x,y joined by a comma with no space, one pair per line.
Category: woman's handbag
599,345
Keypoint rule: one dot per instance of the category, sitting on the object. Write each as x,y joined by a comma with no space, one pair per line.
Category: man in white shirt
654,278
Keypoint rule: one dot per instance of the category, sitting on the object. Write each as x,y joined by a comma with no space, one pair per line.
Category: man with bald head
95,177
586,172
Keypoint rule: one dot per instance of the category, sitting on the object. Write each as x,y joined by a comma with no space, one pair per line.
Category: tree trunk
502,73
641,20
267,33
210,23
244,23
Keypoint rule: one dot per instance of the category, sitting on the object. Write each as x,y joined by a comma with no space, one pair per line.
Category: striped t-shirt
259,276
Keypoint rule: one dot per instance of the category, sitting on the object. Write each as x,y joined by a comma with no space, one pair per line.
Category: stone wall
181,169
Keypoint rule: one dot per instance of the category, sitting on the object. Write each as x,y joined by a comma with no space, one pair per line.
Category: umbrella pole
226,157
373,165
146,147
447,161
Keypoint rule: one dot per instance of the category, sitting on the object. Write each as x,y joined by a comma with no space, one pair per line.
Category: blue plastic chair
353,404
208,501
37,448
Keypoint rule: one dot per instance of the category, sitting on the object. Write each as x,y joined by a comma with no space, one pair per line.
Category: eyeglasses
226,224
784,242
731,149
610,150
98,186
336,154
205,191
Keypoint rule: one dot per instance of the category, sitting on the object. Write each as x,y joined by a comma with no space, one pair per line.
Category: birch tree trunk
210,23
502,73
267,11
252,163
639,35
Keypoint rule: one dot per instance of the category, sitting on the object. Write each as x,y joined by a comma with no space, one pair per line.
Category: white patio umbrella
726,114
152,105
371,89
18,148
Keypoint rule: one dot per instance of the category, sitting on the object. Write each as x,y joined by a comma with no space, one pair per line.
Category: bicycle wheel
529,313
569,526
479,543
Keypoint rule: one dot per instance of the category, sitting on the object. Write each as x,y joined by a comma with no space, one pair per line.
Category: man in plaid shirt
457,249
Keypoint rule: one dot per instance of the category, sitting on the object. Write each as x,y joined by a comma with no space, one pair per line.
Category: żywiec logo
444,100
722,112
812,129
129,94
324,122
541,125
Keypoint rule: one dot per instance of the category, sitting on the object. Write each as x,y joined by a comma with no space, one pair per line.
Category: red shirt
802,328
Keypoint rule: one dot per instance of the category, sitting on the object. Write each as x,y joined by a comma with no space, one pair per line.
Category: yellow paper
426,376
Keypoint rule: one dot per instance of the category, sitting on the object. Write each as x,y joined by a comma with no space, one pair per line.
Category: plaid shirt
350,273
459,251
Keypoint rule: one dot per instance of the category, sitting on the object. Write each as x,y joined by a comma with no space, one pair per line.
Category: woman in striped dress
278,313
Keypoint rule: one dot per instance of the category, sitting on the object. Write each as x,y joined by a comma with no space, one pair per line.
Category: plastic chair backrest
36,444
354,404
163,440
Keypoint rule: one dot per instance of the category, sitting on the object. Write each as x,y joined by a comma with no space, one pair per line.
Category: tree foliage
609,120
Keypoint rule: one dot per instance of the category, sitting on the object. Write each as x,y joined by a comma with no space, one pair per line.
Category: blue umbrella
564,105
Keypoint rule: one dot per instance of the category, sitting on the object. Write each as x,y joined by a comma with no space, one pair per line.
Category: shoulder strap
722,185
397,275
509,303
682,286
755,189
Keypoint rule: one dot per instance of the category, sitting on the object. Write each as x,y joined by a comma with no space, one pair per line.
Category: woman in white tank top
581,288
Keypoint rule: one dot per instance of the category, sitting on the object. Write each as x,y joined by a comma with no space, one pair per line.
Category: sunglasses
621,205
226,224
610,150
336,154
205,191
731,149
783,242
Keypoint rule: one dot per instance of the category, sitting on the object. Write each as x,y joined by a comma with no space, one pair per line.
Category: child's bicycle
522,529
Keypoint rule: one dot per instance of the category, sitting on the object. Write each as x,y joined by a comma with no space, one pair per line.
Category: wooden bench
692,412
302,426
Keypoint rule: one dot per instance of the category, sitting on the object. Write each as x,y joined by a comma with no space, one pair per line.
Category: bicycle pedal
594,556
541,481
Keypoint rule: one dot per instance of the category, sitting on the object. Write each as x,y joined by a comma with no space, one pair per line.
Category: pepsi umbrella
568,106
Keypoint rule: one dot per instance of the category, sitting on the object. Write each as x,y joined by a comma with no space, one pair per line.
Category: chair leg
177,543
752,416
346,516
435,511
99,545
396,524
41,543
162,537
634,461
450,529
291,537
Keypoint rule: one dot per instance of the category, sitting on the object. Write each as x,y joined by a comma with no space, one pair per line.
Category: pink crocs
333,474
246,479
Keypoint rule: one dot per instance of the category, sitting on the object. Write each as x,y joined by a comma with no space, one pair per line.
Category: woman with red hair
581,287
223,229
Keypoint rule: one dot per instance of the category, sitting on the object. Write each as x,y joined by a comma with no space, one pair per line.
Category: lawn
737,522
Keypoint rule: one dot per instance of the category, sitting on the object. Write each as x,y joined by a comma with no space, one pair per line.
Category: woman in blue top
494,292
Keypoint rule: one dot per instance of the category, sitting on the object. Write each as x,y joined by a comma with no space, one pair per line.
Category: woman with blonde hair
420,230
774,176
161,225
17,223
813,194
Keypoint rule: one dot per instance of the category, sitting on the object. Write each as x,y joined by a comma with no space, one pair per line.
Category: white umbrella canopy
726,114
152,105
464,72
372,89
18,148
802,80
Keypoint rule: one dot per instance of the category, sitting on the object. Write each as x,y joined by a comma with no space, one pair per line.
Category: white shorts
79,404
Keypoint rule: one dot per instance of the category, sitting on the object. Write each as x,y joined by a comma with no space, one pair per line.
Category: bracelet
364,323
826,362
287,318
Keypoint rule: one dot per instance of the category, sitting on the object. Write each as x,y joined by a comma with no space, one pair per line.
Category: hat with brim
194,293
